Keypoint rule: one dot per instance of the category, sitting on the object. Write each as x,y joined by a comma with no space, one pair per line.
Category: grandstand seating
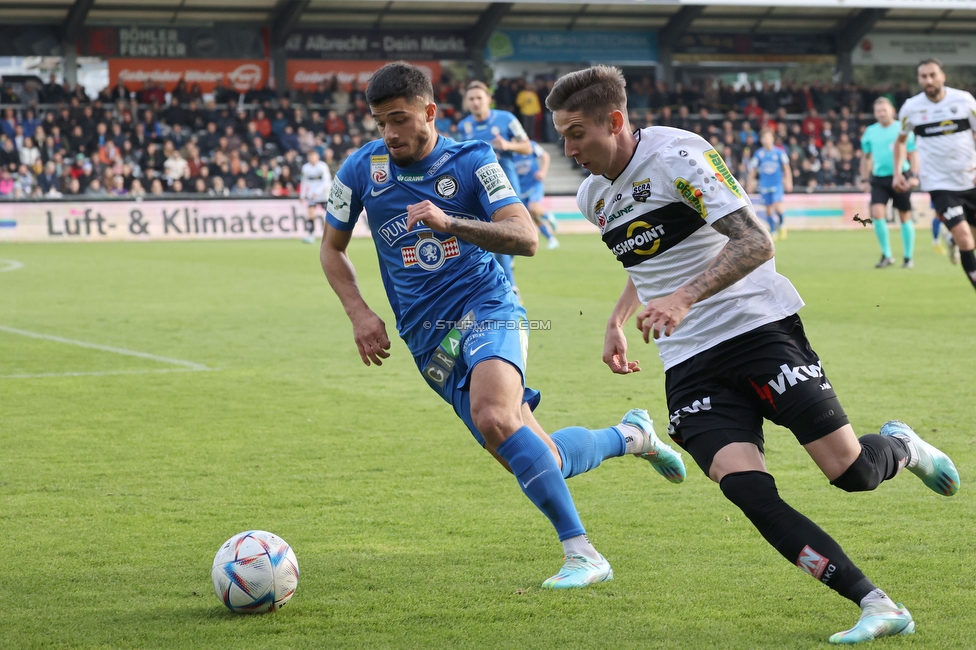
56,142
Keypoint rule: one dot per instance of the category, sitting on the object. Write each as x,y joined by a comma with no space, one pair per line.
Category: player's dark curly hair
398,80
596,91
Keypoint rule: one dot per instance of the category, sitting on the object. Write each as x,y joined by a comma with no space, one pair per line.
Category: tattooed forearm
507,236
749,246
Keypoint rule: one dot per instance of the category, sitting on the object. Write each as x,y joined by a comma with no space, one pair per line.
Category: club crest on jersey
722,173
642,190
446,186
379,169
429,253
601,218
691,194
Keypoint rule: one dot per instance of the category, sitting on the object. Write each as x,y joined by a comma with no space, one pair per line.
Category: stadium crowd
55,141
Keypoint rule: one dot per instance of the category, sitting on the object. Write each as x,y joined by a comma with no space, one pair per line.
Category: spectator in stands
333,123
804,176
6,183
9,158
29,154
95,188
119,92
118,186
813,124
52,92
175,167
218,188
289,140
240,188
48,180
9,123
136,190
529,109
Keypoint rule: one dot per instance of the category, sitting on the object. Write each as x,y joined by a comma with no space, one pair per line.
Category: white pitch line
105,348
101,373
10,265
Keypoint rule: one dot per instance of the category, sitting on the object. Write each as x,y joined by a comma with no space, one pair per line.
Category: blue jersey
770,165
526,165
428,276
500,123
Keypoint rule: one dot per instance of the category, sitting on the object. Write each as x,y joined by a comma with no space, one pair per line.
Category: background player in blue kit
504,133
532,170
435,209
773,166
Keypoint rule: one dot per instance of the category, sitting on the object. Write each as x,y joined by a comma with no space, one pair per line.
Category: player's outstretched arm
368,329
748,247
510,231
615,342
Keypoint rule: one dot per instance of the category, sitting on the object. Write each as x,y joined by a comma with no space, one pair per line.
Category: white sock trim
580,545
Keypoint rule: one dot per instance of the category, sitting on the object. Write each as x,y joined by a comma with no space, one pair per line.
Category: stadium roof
758,16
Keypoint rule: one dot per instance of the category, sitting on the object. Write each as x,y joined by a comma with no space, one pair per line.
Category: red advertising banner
307,74
239,75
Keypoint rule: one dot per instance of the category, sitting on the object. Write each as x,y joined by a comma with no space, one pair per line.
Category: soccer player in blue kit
505,134
532,170
437,209
773,166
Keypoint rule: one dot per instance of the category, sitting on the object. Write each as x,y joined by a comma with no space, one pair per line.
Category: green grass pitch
119,482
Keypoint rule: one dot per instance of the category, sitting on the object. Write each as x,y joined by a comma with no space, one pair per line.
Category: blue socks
584,449
538,475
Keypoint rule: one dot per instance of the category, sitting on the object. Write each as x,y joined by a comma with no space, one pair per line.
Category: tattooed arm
748,247
510,231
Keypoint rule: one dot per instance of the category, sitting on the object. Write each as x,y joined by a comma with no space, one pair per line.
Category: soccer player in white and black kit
316,183
726,326
944,122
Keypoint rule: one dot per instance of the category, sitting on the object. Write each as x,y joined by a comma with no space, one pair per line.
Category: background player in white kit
725,322
316,184
944,122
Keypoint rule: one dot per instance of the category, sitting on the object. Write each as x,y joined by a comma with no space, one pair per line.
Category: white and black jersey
316,182
943,137
656,219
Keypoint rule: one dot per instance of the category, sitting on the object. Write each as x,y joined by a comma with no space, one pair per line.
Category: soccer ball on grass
255,572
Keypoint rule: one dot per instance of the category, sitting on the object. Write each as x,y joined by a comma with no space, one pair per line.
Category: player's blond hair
596,92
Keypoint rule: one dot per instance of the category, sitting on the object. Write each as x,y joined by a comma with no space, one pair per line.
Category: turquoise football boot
925,461
580,571
662,458
876,621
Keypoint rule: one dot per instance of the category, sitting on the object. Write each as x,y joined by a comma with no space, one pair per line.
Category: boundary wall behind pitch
177,219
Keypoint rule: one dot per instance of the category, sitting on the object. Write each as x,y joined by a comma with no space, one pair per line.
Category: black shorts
954,207
882,192
721,395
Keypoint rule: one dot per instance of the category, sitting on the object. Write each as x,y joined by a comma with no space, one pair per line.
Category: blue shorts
532,193
499,331
771,195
